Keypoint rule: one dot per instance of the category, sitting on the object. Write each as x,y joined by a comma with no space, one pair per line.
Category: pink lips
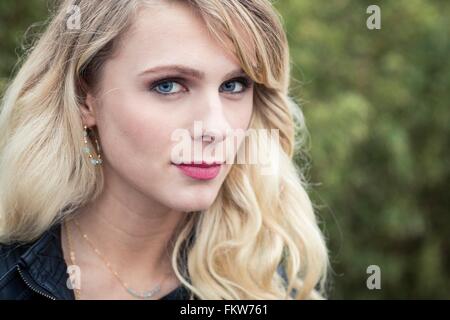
200,171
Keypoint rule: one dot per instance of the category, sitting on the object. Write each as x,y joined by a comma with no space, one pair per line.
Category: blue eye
231,85
166,87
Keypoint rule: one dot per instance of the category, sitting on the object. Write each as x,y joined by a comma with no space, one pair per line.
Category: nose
210,123
210,128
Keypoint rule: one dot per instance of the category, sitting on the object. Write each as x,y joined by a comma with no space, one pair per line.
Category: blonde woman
92,204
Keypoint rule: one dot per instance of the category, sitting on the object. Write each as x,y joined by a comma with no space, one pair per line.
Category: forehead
173,33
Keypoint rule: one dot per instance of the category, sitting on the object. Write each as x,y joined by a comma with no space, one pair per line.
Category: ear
88,110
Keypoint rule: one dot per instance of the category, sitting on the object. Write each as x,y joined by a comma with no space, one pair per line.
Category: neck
131,233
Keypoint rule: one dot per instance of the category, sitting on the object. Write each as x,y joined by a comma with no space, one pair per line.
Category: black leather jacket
38,271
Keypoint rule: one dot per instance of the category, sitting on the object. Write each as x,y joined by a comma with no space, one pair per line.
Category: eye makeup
244,80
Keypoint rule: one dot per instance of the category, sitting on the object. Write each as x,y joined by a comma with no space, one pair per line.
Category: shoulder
11,286
9,257
11,253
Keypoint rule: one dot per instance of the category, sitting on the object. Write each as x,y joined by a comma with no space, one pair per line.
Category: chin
195,206
197,202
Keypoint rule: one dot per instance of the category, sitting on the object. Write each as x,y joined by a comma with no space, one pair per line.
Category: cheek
244,113
134,131
242,116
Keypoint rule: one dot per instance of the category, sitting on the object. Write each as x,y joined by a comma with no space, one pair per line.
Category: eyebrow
187,71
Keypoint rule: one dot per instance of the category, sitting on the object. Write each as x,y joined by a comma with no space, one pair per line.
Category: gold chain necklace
144,295
77,291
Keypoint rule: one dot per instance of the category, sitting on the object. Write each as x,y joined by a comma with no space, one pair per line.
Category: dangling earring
87,150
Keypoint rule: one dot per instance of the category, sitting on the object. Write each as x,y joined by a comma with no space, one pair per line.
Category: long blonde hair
257,224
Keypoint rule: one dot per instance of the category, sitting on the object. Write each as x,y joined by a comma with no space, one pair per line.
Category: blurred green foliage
376,104
17,18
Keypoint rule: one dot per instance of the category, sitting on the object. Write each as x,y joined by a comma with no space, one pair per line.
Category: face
142,100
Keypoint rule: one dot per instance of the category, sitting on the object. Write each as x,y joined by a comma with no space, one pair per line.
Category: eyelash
243,80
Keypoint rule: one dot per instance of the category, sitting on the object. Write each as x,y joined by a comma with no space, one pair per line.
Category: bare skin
145,196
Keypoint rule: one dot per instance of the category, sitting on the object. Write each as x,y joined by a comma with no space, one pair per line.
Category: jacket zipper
34,289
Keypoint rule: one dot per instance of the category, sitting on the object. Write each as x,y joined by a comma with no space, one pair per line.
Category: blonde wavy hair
257,224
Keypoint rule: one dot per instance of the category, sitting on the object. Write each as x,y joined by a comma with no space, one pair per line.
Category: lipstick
200,171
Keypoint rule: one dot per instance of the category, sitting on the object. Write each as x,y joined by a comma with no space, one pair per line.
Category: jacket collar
43,264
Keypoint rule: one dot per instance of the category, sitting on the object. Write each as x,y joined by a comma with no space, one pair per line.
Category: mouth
200,171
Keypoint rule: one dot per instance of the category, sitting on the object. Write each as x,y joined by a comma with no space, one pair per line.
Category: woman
95,204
